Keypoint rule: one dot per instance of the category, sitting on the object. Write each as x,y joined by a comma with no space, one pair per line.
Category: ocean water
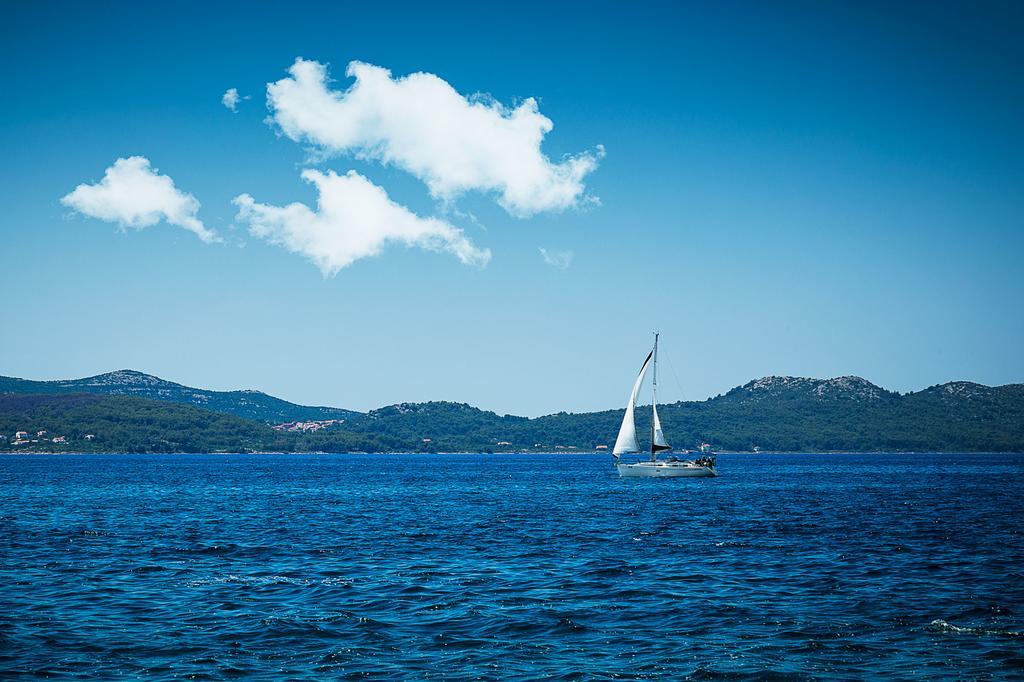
515,567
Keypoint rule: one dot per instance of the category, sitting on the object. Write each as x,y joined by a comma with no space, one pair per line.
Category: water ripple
514,567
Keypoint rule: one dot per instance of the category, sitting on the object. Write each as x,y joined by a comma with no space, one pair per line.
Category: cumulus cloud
135,195
421,124
230,99
354,219
557,259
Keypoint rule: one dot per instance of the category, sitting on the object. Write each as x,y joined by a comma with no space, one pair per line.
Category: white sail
626,442
658,442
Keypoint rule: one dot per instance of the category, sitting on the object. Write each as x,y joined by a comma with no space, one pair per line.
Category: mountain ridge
771,413
272,409
246,403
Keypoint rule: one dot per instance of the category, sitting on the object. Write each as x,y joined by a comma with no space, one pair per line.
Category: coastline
516,452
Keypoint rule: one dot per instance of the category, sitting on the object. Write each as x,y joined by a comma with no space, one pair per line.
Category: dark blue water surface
456,566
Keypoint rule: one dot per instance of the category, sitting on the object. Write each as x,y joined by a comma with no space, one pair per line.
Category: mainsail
626,442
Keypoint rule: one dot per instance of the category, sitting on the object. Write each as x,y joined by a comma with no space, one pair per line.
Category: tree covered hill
773,413
126,382
84,422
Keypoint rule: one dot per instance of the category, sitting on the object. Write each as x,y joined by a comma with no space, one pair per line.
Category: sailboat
626,443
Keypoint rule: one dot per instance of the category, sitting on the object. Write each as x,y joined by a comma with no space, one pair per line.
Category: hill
87,422
772,413
248,404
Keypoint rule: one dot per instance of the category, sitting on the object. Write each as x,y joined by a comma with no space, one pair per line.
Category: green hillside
124,424
774,413
777,413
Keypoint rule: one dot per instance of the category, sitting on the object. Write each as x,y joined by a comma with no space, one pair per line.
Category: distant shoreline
127,411
521,452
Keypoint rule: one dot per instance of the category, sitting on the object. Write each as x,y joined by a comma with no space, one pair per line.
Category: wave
942,626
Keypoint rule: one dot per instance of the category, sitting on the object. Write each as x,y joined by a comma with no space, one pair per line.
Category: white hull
664,470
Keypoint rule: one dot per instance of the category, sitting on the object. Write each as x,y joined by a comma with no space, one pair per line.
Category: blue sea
510,566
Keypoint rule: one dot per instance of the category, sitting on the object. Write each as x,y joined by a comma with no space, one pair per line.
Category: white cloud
230,99
354,218
133,194
422,125
557,259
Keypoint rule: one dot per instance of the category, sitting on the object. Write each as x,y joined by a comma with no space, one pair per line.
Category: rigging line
675,376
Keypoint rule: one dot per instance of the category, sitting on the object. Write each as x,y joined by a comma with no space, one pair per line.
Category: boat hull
664,470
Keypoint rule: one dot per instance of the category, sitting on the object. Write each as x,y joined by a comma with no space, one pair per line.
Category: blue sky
799,189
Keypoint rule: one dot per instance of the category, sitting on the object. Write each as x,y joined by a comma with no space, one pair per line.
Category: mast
654,400
658,442
654,370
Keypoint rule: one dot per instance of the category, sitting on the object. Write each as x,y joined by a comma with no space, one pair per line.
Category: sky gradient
803,190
